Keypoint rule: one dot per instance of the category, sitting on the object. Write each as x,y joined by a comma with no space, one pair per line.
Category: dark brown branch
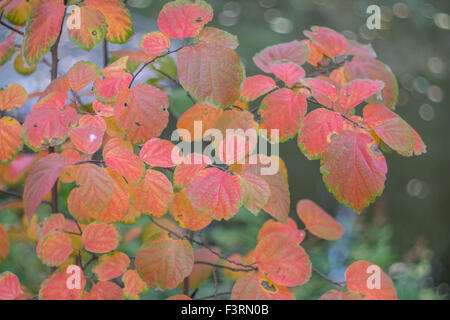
151,61
87,161
215,295
18,195
225,267
105,53
10,27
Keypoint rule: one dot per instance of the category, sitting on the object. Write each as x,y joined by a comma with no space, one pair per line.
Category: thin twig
10,27
225,267
320,273
87,161
215,295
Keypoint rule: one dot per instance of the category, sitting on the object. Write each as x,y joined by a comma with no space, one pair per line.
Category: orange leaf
163,262
86,139
125,163
256,86
179,297
256,192
118,19
104,290
142,112
81,74
99,237
205,114
361,277
14,96
216,193
55,287
318,222
110,86
288,230
91,30
43,29
189,218
339,295
183,19
191,164
153,194
111,265
10,139
54,248
42,177
134,285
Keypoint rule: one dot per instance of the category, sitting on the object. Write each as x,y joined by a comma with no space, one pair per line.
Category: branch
339,284
174,81
18,195
9,27
225,267
105,53
87,161
202,245
151,61
214,295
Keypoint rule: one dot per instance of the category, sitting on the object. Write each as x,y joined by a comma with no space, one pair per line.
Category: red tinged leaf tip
354,169
184,19
216,193
318,222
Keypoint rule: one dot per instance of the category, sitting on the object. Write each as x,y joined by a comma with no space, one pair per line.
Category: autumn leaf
204,114
189,218
118,19
111,265
214,35
55,287
54,248
99,237
14,96
184,19
9,286
216,193
256,287
154,43
191,164
354,169
134,285
294,51
18,11
91,30
104,290
164,263
288,72
7,49
10,139
286,230
211,73
255,86
81,74
318,222
158,152
43,29
42,177
327,41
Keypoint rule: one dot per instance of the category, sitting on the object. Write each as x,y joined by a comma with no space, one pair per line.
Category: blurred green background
406,231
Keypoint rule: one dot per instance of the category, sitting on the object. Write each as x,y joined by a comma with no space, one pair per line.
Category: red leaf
191,165
202,68
55,287
283,260
111,85
358,49
105,290
126,163
287,230
356,91
204,114
214,35
354,169
318,222
160,153
9,286
102,109
54,248
142,112
327,41
288,72
316,131
154,43
294,51
164,263
256,287
392,129
184,19
256,86
283,110
216,193
91,29
99,237
43,28
322,90
419,145
361,275
256,192
86,139
42,177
